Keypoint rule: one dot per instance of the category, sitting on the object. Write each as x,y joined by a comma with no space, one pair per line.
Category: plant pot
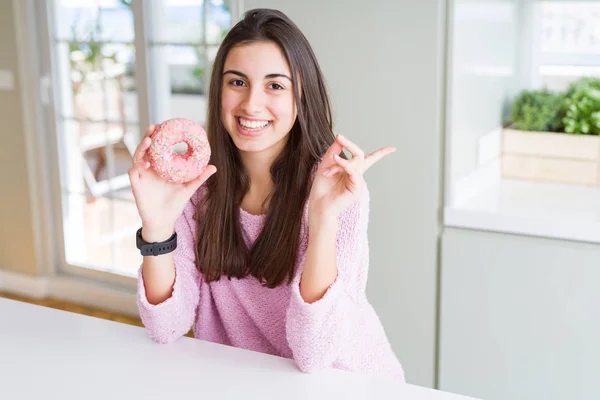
551,157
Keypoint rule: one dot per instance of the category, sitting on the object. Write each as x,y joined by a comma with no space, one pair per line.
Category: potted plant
555,136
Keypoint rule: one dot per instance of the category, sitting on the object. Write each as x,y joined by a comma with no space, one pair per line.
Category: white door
114,67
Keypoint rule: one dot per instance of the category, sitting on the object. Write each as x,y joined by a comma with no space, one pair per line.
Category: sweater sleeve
341,329
173,318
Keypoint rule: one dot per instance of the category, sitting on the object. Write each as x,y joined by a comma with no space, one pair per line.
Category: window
496,50
117,66
569,42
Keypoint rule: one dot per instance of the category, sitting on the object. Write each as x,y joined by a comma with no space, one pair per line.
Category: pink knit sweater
340,330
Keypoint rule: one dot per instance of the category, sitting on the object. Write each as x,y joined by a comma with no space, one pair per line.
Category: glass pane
87,227
97,82
121,96
108,162
100,232
98,132
72,165
95,157
179,82
571,27
94,20
127,256
176,21
80,83
212,54
100,216
218,21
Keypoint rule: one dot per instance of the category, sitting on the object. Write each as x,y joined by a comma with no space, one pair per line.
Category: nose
254,101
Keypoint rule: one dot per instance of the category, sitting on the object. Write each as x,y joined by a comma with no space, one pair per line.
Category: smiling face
257,98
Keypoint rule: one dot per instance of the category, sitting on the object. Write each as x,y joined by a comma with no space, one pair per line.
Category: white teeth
253,124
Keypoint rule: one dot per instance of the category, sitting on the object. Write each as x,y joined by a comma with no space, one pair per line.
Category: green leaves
576,111
582,106
537,111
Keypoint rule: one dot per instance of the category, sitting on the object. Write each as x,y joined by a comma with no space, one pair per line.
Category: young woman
272,250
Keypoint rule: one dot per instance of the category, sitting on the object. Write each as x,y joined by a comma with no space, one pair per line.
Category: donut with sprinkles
174,167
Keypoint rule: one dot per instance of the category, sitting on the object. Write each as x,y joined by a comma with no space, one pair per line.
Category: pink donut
173,167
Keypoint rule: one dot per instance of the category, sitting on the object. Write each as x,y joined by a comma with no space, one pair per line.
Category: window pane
100,232
95,157
180,77
218,21
87,226
127,256
80,83
121,97
176,21
108,162
94,20
99,213
569,42
571,27
97,81
212,53
97,132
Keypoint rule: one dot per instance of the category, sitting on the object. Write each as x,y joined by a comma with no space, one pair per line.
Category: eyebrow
269,76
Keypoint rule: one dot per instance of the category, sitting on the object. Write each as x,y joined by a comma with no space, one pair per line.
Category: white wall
17,236
520,317
483,45
383,61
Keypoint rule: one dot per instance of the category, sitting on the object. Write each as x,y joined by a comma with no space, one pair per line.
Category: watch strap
155,248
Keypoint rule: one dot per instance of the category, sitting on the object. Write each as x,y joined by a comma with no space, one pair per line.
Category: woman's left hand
339,182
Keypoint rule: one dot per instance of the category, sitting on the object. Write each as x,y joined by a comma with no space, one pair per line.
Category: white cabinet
520,317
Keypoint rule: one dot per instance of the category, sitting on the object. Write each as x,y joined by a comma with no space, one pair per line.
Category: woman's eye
276,86
237,82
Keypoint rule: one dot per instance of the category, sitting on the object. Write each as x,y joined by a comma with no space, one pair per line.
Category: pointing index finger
377,155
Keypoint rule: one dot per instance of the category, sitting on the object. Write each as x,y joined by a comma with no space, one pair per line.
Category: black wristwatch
155,248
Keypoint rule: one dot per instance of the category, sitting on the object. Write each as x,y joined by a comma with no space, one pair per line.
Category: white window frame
40,101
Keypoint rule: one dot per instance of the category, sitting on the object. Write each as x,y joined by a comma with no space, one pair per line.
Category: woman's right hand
159,202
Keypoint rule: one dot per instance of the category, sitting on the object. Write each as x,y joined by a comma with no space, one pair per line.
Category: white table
52,354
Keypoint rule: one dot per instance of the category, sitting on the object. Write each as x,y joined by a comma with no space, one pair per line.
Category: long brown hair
221,249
